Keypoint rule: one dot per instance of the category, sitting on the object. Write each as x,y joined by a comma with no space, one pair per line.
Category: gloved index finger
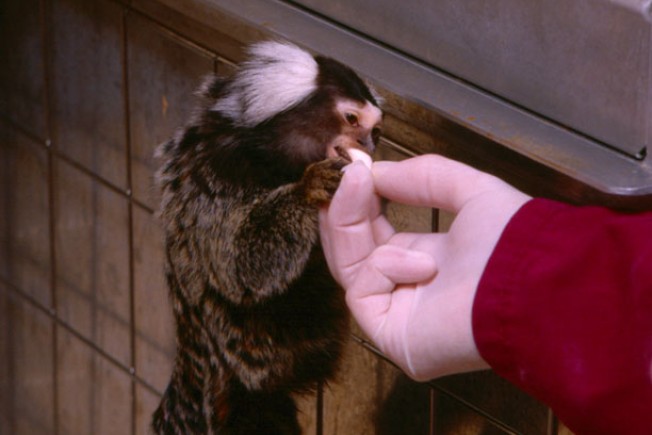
430,181
346,228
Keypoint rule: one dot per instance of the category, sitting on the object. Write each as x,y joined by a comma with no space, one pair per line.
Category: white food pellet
357,154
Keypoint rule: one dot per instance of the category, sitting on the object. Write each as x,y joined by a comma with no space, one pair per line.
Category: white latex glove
412,294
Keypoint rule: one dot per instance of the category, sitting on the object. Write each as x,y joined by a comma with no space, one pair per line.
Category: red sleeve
564,311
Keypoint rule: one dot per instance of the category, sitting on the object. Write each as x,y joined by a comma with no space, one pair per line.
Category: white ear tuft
276,77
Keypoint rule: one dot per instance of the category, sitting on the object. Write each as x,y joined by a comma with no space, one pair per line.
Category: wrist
447,332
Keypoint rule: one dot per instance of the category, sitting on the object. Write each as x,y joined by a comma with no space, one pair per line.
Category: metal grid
87,328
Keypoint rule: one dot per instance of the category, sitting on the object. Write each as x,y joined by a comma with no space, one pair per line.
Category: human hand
412,294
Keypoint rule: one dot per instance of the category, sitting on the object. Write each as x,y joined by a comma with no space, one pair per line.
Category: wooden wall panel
164,72
87,86
27,384
22,85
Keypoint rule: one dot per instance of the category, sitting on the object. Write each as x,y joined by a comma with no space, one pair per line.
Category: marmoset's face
360,126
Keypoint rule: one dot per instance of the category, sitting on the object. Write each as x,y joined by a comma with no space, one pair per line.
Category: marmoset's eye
352,119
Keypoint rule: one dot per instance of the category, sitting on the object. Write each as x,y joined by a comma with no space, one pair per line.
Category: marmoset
258,316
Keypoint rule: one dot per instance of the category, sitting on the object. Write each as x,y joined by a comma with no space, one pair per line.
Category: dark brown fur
258,315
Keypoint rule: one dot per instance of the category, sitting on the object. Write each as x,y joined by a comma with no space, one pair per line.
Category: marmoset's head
304,106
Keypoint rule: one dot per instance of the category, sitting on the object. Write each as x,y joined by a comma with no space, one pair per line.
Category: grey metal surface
583,63
525,131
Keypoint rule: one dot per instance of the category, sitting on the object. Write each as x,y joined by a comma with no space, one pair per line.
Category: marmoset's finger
372,294
431,181
346,227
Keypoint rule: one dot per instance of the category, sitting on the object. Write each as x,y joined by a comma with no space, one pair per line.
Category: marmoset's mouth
341,151
353,154
339,148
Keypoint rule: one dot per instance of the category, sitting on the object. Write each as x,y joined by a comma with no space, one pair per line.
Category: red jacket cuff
564,311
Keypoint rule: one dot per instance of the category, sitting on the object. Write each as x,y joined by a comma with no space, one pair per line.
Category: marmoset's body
258,315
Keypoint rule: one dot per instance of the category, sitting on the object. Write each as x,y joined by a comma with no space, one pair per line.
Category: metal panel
582,63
